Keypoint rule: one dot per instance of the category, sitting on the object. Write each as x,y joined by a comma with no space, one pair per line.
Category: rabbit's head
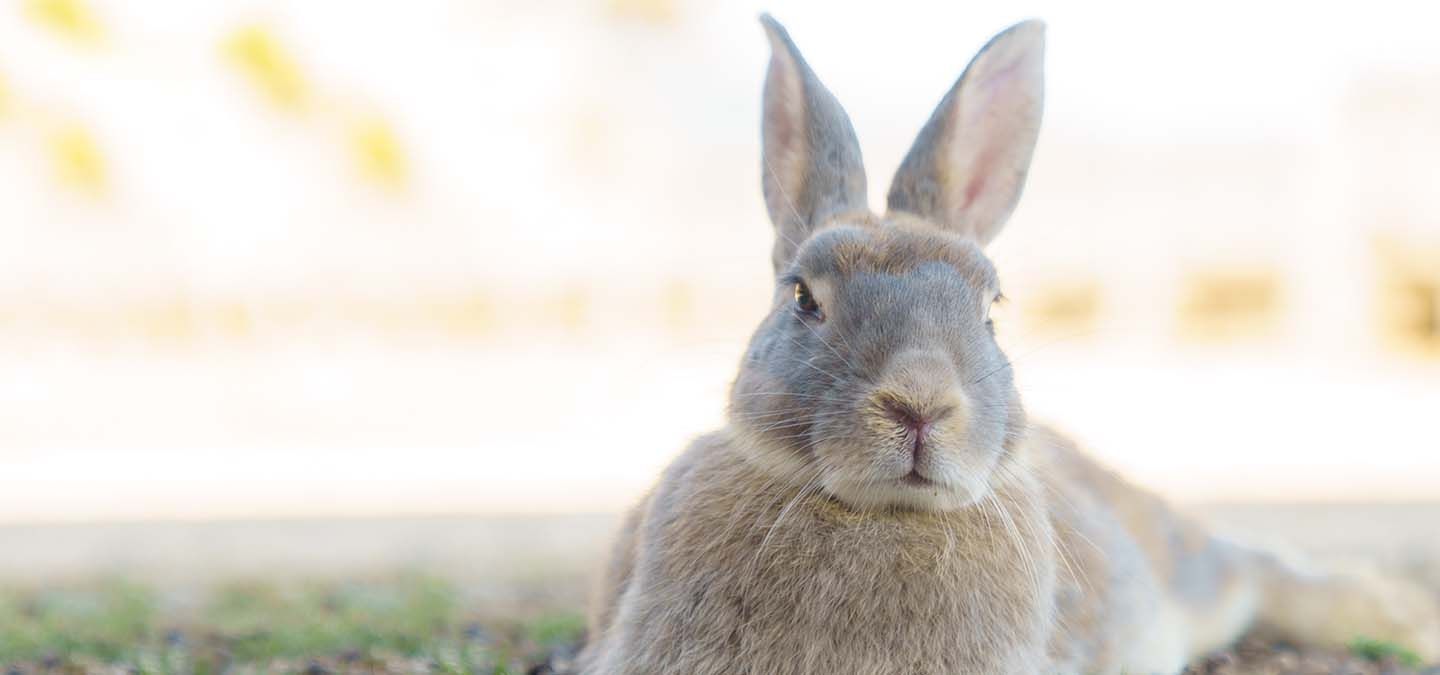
876,376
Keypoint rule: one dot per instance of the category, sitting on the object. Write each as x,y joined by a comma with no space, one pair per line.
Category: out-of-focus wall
265,258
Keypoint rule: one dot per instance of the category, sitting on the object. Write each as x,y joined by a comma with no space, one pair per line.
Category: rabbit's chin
907,492
860,486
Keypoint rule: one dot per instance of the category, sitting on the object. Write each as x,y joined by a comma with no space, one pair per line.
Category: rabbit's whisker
1009,361
830,347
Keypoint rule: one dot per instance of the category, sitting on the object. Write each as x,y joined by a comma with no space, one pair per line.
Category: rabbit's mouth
925,487
916,479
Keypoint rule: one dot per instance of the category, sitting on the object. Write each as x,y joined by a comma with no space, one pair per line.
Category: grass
412,623
403,623
1379,650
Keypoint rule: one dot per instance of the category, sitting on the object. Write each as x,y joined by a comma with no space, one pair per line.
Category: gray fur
812,168
821,532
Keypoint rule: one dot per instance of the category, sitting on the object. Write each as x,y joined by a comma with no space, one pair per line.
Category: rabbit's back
1140,587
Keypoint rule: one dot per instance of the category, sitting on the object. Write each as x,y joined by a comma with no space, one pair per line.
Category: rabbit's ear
812,168
967,168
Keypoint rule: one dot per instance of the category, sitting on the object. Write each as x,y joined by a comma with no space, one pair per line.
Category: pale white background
587,172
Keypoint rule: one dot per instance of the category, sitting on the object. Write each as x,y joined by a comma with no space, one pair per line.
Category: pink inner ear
994,90
780,121
975,113
980,173
989,150
784,106
784,131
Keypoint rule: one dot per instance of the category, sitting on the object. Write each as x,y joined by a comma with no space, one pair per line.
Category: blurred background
425,280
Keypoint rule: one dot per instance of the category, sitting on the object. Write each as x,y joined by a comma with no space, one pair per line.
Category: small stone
474,632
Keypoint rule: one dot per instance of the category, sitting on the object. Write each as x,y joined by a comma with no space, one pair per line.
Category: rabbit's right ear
967,168
812,168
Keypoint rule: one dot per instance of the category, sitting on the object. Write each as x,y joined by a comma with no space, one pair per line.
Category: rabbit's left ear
966,170
812,169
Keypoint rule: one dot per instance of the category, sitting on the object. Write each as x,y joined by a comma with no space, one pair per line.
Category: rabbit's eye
989,322
804,301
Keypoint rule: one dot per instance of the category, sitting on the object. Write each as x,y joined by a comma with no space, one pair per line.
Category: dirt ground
532,572
1255,657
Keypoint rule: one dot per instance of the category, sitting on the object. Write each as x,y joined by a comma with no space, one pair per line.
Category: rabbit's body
1049,577
782,579
877,502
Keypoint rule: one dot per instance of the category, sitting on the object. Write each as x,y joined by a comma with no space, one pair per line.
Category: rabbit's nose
922,381
920,392
916,421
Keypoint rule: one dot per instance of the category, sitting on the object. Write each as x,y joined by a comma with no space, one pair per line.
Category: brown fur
877,501
899,245
725,570
747,580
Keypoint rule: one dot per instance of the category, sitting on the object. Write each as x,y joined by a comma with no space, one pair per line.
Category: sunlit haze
263,258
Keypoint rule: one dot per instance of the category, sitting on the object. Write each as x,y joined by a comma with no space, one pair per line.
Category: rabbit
877,501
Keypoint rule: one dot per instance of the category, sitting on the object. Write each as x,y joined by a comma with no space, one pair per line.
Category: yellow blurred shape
378,151
679,305
589,133
168,320
571,307
1416,312
232,320
1410,295
4,97
72,19
654,11
1067,308
77,158
1227,304
467,316
265,62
